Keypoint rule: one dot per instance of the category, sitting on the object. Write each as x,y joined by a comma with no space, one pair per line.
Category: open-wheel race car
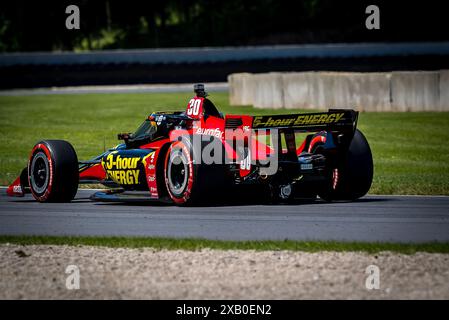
200,154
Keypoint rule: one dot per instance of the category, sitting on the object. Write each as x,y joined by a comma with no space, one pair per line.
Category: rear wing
342,120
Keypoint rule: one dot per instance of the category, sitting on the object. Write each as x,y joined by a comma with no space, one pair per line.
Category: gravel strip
38,272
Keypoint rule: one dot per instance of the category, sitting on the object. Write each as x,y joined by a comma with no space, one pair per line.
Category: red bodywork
200,125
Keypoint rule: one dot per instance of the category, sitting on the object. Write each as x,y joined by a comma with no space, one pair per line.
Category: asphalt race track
372,218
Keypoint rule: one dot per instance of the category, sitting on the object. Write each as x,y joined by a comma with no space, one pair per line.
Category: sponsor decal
122,170
149,162
124,177
297,120
211,132
119,163
17,189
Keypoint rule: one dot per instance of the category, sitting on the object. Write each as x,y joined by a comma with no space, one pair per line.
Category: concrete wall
413,91
444,90
297,90
268,90
241,89
396,91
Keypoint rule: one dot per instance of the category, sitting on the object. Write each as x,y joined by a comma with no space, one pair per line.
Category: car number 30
194,107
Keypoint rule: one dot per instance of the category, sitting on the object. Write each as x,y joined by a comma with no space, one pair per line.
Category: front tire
53,171
189,183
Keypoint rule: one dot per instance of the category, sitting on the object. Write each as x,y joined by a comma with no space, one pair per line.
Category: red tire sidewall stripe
187,192
46,150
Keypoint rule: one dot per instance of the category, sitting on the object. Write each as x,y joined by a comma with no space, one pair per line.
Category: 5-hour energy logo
297,120
122,170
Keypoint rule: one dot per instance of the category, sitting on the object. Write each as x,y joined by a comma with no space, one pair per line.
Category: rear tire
53,171
353,177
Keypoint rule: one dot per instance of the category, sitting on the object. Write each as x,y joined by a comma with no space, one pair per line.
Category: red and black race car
196,155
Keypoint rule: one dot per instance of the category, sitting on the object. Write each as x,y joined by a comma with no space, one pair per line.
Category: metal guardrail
225,54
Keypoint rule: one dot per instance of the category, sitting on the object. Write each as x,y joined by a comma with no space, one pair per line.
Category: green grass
411,150
197,244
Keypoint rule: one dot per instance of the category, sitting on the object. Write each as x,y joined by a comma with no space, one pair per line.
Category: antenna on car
199,90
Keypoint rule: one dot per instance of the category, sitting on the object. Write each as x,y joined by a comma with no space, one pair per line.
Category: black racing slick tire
189,183
353,176
53,171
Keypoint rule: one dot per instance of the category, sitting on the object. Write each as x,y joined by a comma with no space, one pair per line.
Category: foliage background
109,24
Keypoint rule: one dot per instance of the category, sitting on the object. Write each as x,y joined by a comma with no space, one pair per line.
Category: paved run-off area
38,272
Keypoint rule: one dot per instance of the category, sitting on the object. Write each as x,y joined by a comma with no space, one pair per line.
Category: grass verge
197,244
